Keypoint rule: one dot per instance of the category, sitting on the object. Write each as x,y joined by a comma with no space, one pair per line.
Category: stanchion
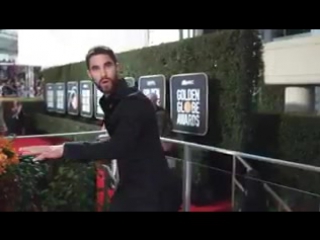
187,179
101,187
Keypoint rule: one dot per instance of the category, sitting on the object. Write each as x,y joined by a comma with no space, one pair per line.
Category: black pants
16,126
128,199
167,198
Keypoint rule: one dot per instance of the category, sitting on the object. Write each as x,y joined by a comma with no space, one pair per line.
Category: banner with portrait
98,113
73,98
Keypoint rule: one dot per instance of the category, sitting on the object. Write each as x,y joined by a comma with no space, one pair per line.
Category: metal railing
266,186
237,156
58,134
187,164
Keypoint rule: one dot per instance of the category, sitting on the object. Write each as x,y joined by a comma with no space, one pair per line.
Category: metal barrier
235,182
58,134
237,156
187,164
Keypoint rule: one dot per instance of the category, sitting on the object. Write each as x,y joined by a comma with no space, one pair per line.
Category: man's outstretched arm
122,142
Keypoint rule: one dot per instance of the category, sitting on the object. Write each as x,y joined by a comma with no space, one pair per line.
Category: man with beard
145,179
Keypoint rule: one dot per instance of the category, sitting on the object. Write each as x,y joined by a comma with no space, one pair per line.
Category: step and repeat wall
188,101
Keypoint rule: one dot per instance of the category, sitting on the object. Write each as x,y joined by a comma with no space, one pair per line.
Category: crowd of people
18,88
16,82
13,83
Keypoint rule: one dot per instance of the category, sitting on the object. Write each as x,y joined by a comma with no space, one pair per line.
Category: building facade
8,45
291,58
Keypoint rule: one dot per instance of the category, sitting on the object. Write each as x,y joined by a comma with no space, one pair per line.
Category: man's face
104,72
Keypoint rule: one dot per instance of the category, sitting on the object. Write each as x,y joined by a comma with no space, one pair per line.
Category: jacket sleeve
160,122
122,142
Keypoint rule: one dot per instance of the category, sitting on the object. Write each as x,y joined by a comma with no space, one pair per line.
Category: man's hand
43,152
3,129
103,137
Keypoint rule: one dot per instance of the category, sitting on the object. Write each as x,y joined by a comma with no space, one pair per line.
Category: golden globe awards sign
189,103
154,84
73,98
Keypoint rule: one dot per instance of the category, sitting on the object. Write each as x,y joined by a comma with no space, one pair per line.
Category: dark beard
114,87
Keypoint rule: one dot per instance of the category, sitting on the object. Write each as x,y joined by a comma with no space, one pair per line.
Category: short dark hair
100,50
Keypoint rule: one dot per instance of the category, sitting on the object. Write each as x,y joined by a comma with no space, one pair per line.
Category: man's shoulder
136,97
136,101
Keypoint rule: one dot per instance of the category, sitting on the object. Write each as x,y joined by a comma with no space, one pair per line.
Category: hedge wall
232,60
293,138
271,99
54,124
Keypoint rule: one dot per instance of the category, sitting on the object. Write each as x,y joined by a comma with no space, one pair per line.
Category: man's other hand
42,152
103,137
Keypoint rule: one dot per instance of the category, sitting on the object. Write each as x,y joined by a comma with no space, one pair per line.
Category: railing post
187,179
233,181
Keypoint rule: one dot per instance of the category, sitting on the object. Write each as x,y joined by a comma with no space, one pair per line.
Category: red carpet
224,206
216,207
25,142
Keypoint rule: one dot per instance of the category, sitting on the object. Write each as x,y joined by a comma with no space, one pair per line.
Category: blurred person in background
9,89
2,84
39,87
3,125
164,122
16,125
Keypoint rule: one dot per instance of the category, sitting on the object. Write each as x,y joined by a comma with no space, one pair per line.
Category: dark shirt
135,142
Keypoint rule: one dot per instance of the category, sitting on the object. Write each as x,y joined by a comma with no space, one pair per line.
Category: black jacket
131,122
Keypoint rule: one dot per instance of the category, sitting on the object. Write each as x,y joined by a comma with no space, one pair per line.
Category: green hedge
232,60
53,124
293,138
289,136
51,186
271,99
